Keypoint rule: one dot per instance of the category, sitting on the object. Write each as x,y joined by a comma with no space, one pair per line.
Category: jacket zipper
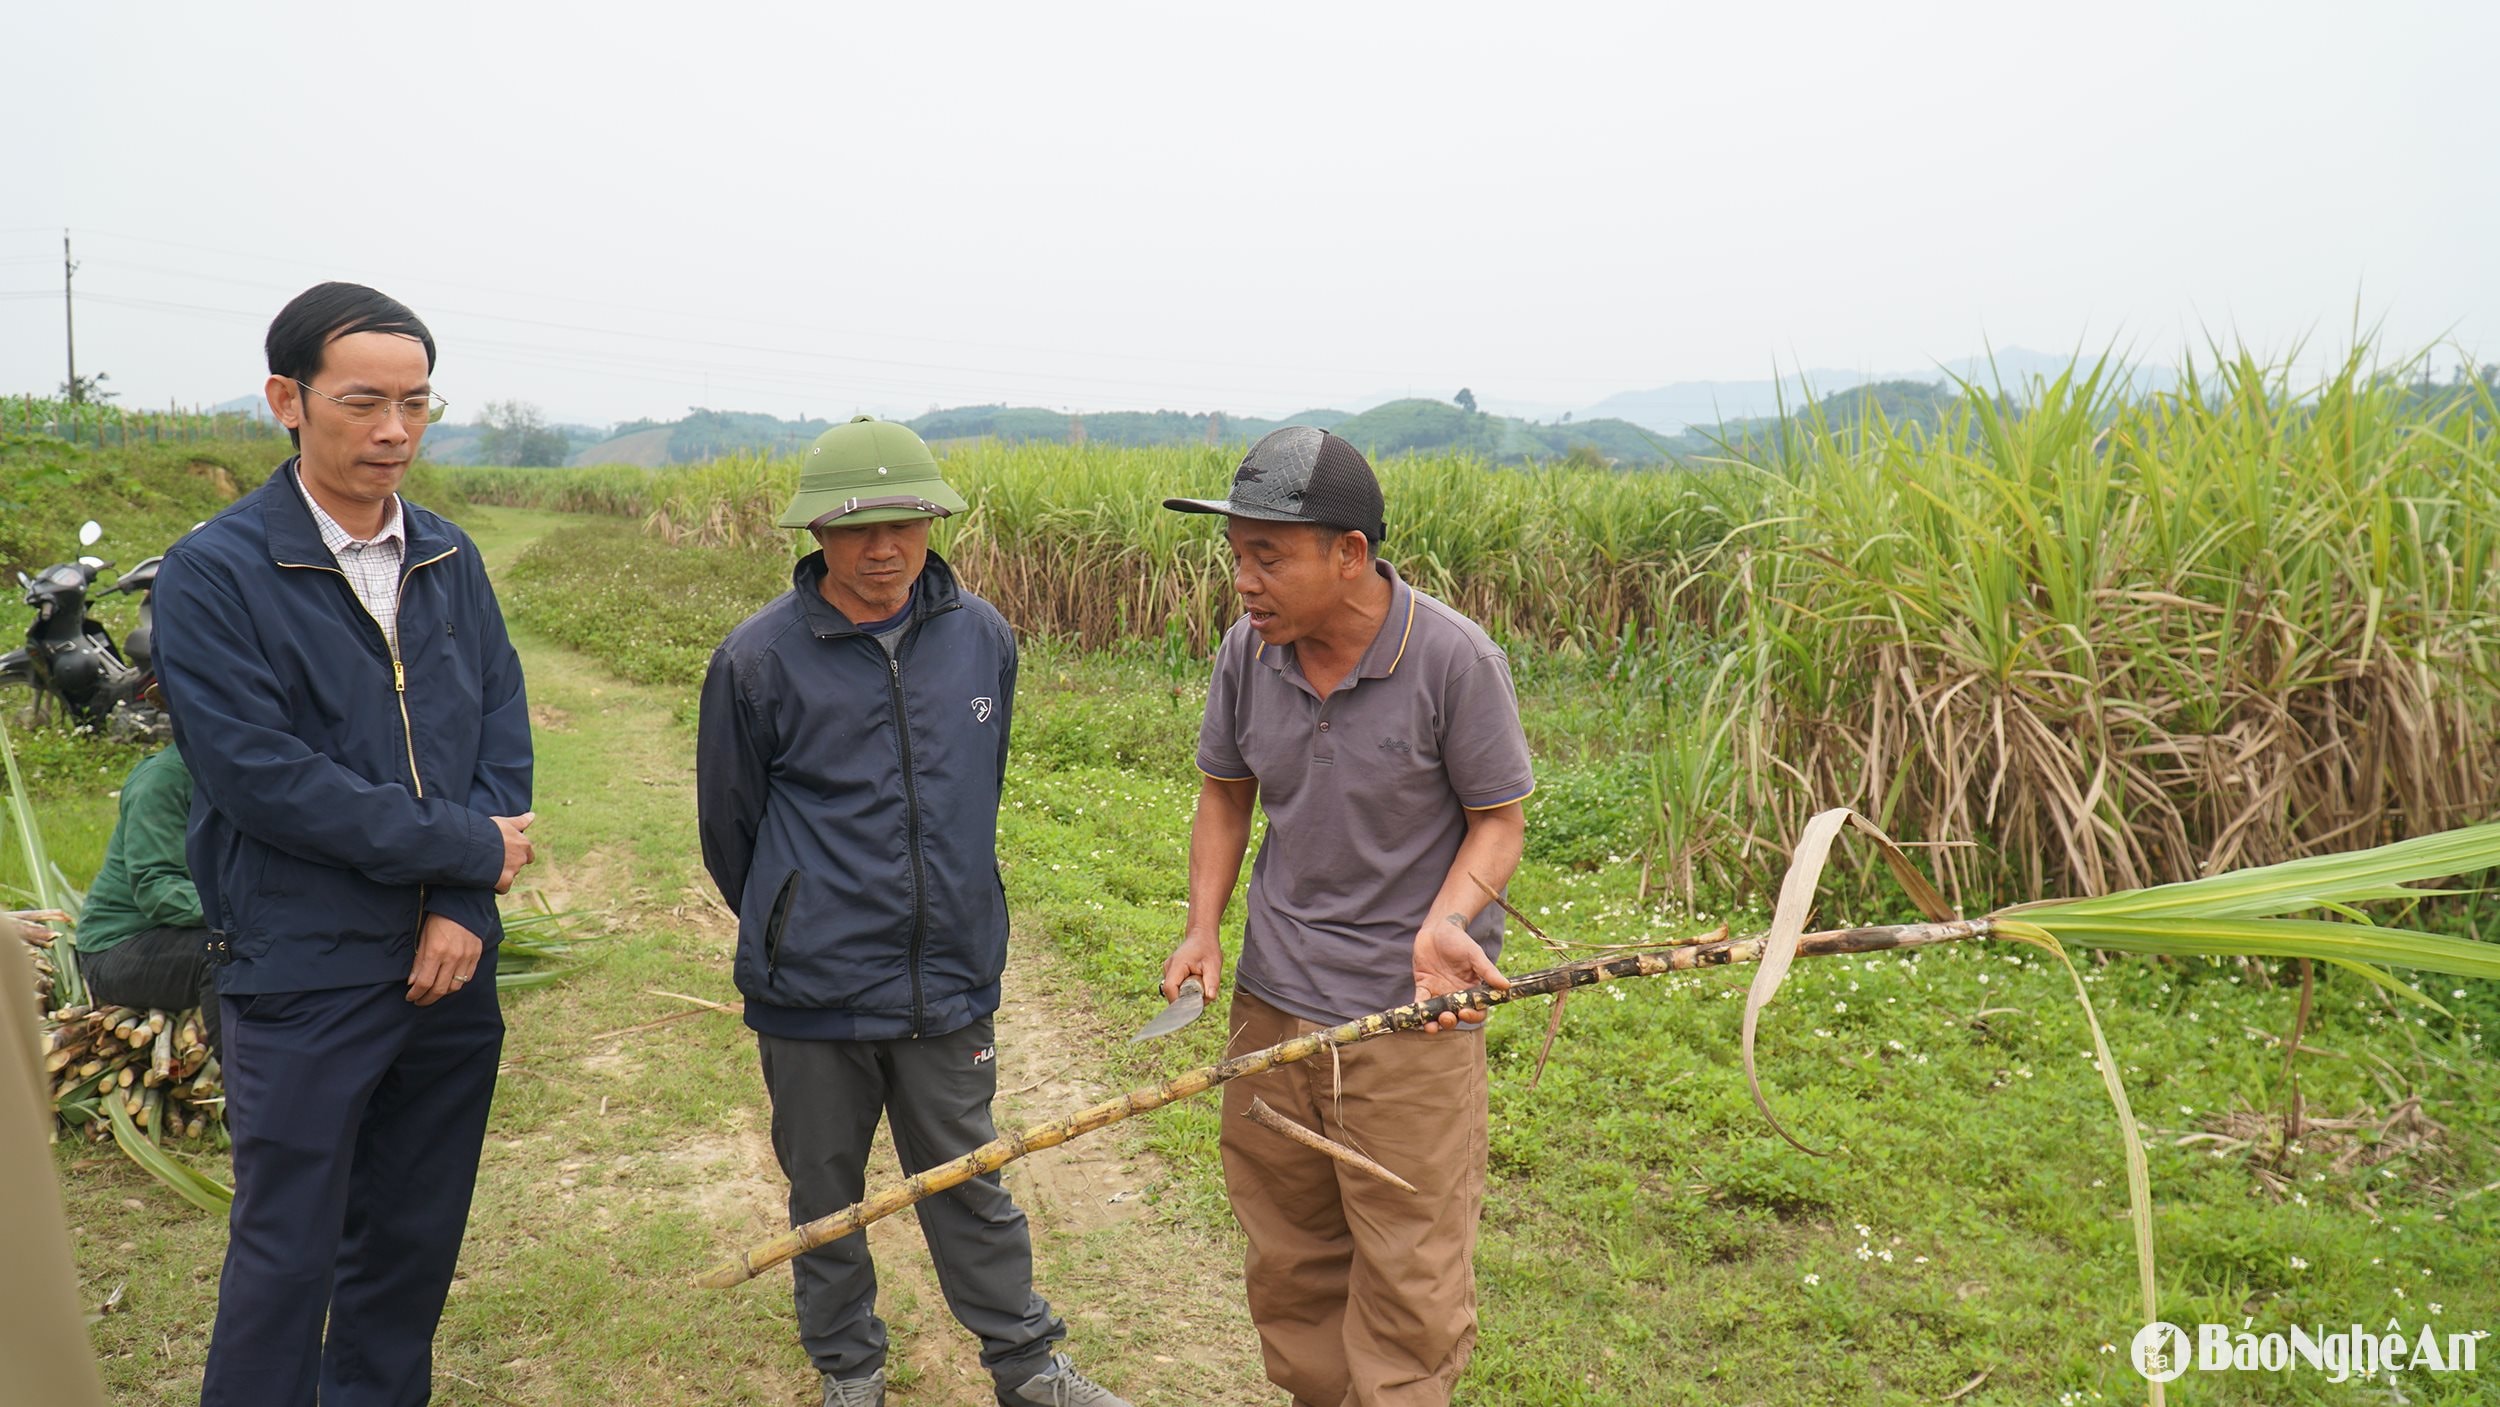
399,672
911,814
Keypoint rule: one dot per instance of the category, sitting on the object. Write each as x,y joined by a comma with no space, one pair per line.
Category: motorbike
70,660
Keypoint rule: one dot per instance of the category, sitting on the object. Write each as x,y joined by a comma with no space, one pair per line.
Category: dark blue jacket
331,808
849,810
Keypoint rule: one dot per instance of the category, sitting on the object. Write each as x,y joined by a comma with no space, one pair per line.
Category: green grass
1648,1240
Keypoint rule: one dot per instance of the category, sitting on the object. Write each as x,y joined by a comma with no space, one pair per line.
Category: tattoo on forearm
1456,918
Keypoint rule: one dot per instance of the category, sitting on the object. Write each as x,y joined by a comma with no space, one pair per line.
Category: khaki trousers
1364,1296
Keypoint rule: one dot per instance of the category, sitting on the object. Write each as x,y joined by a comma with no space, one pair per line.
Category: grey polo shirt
1367,793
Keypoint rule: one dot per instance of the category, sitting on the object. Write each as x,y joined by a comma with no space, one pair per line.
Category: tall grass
2123,642
1074,541
2070,640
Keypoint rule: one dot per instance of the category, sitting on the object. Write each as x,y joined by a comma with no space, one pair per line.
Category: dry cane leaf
1788,925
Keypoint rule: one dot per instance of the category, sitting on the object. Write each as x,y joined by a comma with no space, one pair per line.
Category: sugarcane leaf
2139,1174
1779,949
2380,976
186,1182
2384,872
1788,925
2172,936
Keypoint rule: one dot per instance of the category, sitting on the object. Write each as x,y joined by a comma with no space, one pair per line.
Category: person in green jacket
142,941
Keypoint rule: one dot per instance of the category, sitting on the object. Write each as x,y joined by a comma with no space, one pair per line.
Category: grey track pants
935,1092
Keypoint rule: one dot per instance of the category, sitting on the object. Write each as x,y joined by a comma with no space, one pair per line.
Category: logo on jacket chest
981,710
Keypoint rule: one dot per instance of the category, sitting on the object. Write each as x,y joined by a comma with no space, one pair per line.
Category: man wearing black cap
1378,729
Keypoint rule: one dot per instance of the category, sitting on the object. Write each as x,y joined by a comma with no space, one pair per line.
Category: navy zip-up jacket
340,792
849,810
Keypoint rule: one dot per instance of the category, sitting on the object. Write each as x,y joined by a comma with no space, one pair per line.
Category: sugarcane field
1007,706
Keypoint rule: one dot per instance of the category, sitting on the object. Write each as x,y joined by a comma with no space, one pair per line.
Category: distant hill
1391,428
1701,405
1439,426
701,434
1665,424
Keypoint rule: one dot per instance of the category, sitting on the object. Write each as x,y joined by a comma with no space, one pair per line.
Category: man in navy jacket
360,753
852,744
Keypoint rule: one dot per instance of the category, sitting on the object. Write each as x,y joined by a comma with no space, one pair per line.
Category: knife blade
1183,1010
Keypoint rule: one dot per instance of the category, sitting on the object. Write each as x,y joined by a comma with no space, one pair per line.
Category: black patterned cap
1300,474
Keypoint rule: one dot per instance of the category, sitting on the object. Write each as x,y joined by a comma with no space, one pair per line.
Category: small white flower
1814,1279
1918,1260
1840,1006
2299,1264
2437,1308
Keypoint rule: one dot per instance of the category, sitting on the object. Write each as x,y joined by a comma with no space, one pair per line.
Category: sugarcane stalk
161,1058
992,1156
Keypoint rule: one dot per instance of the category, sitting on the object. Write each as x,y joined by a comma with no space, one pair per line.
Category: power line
1159,358
633,366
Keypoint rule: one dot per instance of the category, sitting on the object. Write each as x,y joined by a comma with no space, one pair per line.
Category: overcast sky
628,209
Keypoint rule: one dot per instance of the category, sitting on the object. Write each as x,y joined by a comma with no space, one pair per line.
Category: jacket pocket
245,899
778,923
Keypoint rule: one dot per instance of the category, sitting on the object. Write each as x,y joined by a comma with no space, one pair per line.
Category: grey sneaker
855,1392
1059,1385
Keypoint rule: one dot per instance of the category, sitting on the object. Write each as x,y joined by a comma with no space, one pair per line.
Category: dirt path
1153,1304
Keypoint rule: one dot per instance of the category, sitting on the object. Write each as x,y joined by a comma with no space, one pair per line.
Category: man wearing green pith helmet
852,745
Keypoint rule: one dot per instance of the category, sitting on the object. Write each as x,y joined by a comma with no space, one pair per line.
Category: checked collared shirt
371,565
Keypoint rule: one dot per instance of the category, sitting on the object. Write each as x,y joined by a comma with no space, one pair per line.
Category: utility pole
69,319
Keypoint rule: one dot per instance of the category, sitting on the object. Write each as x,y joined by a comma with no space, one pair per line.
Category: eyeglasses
365,410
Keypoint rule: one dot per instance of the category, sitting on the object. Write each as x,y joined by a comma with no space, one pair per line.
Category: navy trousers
357,1118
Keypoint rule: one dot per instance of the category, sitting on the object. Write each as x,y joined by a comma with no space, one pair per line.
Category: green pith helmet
868,471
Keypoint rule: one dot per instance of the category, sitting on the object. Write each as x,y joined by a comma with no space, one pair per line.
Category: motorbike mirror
90,532
21,579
